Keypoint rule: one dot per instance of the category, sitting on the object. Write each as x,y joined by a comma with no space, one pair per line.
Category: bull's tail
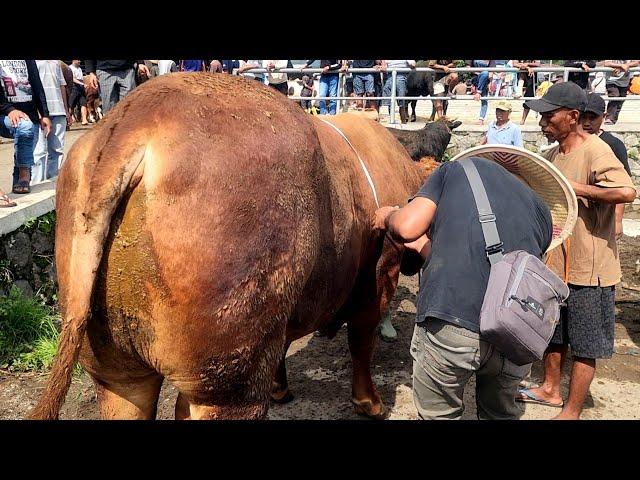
91,187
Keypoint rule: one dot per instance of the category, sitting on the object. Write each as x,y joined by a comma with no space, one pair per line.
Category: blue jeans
25,136
483,90
49,150
328,84
401,88
362,83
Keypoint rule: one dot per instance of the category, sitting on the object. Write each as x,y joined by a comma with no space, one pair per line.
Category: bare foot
566,416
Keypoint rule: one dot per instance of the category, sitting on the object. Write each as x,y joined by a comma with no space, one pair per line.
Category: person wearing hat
446,345
591,121
503,131
590,255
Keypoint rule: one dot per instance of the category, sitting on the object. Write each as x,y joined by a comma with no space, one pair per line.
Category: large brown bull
203,226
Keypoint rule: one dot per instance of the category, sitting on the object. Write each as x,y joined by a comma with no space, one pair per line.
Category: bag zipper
548,284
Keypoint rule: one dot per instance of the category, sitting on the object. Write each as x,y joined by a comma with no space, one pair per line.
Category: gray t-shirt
456,273
621,80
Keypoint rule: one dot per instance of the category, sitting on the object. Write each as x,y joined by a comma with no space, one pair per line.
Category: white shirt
273,77
52,79
165,66
77,73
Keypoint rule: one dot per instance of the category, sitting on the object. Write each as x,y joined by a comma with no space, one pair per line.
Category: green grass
28,333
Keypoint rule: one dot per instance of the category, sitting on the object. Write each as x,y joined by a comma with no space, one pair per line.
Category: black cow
420,84
430,141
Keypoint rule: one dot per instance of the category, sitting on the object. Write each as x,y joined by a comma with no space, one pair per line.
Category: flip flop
527,396
22,187
6,202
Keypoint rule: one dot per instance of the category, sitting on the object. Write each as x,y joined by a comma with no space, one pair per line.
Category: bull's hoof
367,409
413,117
282,396
387,332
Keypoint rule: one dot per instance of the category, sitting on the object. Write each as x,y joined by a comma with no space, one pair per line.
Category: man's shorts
363,83
587,323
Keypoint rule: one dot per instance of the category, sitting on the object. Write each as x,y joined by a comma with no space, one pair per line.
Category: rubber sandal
527,396
6,202
22,187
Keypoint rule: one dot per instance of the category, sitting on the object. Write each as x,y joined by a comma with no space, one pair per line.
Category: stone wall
533,140
27,259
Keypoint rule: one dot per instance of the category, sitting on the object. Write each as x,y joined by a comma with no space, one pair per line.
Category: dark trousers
281,87
614,106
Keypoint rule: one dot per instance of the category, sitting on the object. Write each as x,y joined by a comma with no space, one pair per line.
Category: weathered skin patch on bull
128,270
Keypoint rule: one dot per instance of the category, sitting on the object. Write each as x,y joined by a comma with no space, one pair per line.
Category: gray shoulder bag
521,306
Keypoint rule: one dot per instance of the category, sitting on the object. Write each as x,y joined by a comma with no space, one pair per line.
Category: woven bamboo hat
542,177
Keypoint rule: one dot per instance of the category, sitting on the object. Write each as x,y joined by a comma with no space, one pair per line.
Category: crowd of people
39,99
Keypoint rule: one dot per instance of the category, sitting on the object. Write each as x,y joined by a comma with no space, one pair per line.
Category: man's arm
39,98
517,138
5,105
619,215
408,223
612,195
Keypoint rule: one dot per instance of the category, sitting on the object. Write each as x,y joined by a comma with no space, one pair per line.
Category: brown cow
205,224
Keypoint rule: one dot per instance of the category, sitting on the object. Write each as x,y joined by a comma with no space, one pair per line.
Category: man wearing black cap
589,259
591,121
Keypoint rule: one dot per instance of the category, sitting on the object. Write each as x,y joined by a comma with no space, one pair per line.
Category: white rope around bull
364,167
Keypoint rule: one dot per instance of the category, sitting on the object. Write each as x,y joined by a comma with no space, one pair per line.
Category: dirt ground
320,370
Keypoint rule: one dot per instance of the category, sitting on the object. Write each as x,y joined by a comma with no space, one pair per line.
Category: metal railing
394,71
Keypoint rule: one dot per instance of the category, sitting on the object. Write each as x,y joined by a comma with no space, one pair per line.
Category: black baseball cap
595,104
560,95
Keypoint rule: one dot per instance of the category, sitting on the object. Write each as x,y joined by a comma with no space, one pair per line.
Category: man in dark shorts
591,121
589,259
446,345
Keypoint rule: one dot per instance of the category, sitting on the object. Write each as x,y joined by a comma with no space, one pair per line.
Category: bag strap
493,245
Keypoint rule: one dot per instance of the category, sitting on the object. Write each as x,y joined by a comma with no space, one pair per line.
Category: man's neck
572,141
498,124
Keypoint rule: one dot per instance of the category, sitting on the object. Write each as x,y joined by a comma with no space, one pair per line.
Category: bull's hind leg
133,400
414,104
280,392
372,296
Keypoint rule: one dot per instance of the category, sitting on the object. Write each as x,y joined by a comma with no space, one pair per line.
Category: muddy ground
320,370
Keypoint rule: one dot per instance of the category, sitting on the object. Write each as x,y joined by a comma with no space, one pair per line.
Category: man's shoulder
611,139
595,147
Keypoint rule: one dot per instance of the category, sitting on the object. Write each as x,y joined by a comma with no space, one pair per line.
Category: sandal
22,187
5,202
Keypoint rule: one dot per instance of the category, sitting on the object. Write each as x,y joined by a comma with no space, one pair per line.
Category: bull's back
221,228
347,240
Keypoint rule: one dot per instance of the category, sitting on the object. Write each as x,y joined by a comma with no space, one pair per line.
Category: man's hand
446,69
585,67
16,115
380,218
142,69
45,124
93,80
624,67
325,69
